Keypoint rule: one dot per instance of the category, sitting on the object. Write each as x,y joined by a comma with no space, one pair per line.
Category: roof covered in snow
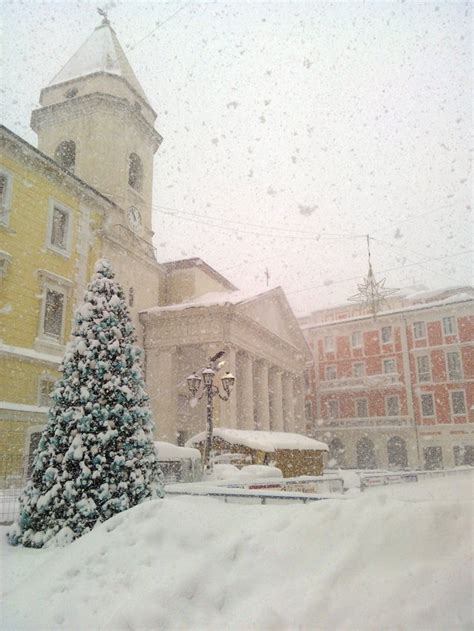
101,52
265,441
210,299
412,303
197,262
168,452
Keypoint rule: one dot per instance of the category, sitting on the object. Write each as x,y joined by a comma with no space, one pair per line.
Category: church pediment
272,311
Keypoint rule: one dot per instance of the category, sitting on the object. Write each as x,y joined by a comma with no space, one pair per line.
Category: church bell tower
96,121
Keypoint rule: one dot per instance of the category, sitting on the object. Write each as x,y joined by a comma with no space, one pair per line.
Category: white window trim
356,411
49,280
390,340
423,337
421,405
326,378
364,370
392,396
429,368
455,328
67,251
361,339
332,349
389,359
461,372
453,413
5,209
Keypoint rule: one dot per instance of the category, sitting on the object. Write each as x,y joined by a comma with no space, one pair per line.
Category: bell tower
96,121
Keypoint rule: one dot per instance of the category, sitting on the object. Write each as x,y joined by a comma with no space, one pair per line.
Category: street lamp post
211,390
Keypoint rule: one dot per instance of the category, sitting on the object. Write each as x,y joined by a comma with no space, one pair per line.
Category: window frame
43,379
28,460
329,348
454,327
462,392
448,370
364,371
6,206
393,361
63,149
135,169
390,339
335,403
419,373
397,398
66,252
5,260
362,400
360,345
327,368
52,282
423,325
427,394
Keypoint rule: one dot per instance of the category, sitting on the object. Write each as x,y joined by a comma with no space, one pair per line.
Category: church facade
85,193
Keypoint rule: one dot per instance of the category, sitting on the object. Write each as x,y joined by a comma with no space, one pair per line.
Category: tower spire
103,13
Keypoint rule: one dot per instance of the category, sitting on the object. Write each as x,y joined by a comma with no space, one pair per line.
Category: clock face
134,219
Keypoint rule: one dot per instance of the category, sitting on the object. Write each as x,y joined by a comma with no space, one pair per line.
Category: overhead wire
385,271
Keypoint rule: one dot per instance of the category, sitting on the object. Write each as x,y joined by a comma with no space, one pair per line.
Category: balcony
367,422
361,383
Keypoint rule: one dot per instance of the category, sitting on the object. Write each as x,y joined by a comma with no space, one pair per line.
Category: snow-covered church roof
101,52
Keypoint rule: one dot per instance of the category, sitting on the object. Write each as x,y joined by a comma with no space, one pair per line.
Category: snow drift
371,562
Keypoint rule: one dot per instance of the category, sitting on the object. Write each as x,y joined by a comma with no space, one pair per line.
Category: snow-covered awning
167,452
265,441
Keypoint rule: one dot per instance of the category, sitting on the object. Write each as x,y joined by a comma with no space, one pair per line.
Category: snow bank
371,562
266,441
249,472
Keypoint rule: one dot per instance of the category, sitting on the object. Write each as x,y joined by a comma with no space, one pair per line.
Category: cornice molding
89,103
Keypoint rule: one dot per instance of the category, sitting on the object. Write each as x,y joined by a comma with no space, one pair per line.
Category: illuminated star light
372,293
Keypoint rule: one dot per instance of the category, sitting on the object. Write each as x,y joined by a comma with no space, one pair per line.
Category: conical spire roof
101,52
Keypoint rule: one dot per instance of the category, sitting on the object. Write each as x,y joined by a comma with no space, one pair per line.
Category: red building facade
396,391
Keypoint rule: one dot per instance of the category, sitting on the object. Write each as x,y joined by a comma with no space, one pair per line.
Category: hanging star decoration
372,293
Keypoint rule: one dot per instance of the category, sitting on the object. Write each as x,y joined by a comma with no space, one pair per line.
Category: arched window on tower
135,172
65,155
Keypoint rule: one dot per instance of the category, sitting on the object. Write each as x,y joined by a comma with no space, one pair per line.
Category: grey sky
323,118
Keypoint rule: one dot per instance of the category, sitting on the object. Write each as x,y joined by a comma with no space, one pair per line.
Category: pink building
396,391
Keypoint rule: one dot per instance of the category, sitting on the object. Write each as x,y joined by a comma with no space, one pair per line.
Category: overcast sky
289,129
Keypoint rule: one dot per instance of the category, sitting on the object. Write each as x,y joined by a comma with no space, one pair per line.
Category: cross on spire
103,13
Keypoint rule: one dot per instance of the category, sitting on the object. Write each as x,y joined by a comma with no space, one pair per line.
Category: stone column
298,391
261,398
276,400
288,403
163,391
228,414
244,391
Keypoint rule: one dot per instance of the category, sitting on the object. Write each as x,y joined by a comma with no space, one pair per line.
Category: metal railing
381,479
12,481
245,496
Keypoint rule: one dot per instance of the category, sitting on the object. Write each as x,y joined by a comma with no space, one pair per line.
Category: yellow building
50,227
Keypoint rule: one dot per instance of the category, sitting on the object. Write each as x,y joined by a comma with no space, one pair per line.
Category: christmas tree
95,457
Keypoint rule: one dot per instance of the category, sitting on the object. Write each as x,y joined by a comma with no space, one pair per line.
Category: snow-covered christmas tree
95,457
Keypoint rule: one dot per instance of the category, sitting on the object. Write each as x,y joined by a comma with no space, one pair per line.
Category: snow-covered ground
397,557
